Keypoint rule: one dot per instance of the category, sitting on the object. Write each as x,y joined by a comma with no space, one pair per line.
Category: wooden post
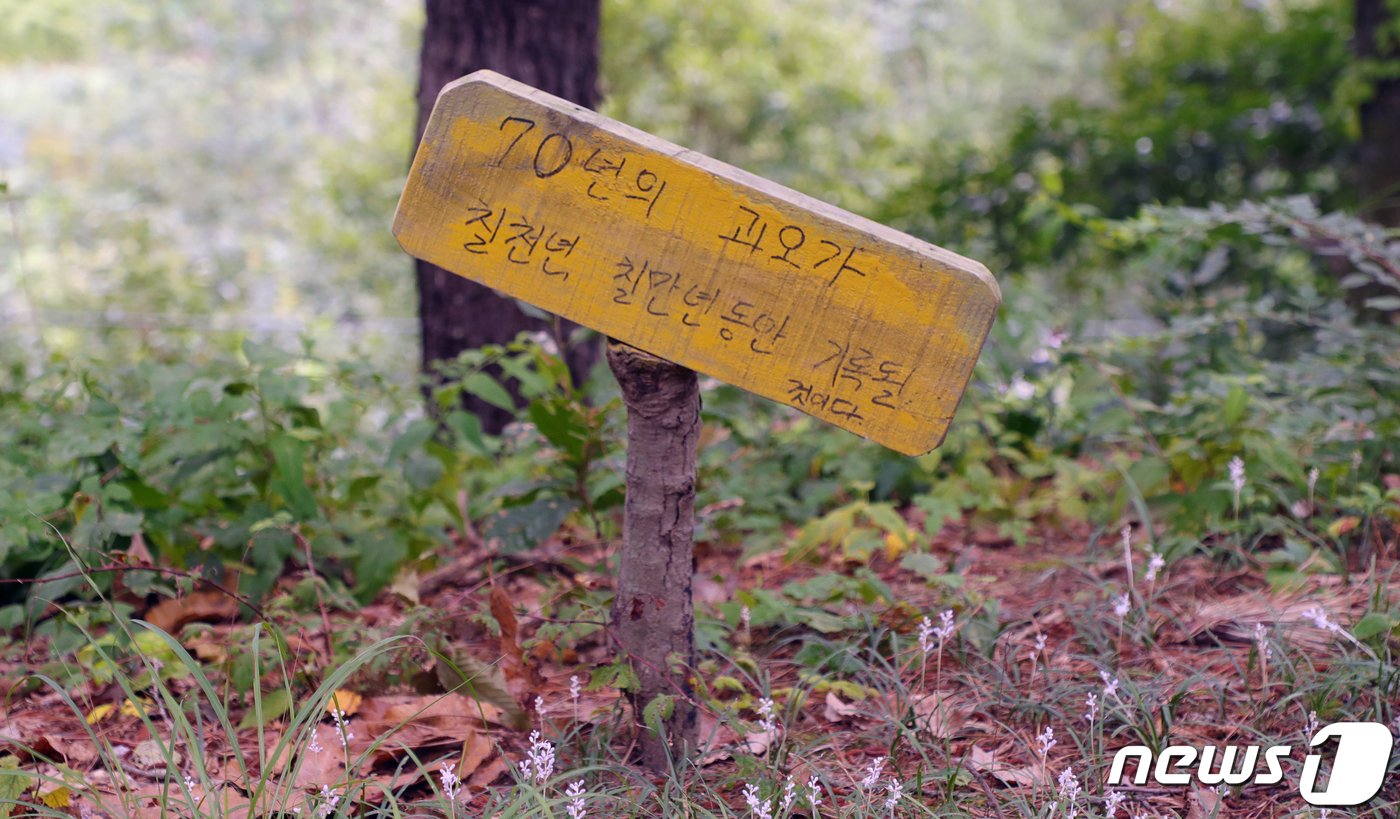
652,615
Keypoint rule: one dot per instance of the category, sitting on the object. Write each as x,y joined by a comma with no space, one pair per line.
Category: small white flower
1039,648
766,722
1154,565
1111,802
872,774
451,785
539,762
190,784
545,341
1050,340
1301,509
575,807
314,746
575,688
814,794
789,795
1237,478
1110,685
1091,703
342,727
744,617
926,635
1020,389
1069,790
329,800
1121,605
539,705
945,628
1319,619
1312,483
759,808
1261,641
893,791
1046,740
1311,726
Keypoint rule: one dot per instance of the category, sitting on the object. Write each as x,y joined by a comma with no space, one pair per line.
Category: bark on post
652,615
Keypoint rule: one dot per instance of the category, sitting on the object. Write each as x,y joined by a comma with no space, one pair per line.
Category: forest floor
978,722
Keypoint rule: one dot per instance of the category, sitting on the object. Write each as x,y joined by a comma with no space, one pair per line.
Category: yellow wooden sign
696,261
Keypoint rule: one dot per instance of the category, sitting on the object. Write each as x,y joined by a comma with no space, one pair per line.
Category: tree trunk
652,615
552,45
1378,170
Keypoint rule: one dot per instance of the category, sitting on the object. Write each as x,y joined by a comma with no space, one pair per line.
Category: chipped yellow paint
696,261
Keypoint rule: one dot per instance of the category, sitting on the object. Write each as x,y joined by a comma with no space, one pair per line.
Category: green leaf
656,712
422,470
412,439
561,423
361,485
274,705
380,555
468,429
13,783
269,551
489,390
1235,402
885,516
289,455
931,568
1149,473
1372,624
617,675
526,526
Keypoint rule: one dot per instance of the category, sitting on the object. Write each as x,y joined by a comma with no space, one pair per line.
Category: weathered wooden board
696,261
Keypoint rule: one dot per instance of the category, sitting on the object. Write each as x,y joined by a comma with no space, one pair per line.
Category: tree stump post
653,616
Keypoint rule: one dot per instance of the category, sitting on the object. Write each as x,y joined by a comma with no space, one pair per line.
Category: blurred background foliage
207,330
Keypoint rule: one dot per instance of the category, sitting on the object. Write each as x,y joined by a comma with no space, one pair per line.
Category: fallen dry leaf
836,710
717,740
208,648
347,702
488,773
510,627
55,795
1204,803
941,714
75,753
984,761
172,614
522,676
452,713
759,741
99,713
326,766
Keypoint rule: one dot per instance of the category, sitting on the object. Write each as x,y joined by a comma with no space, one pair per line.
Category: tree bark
1378,171
652,615
552,45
